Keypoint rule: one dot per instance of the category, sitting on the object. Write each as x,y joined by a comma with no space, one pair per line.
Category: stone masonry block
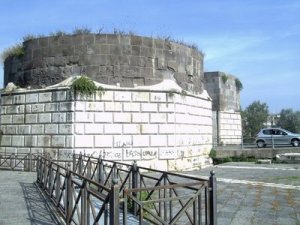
140,96
6,140
65,128
66,106
6,119
149,107
122,96
44,141
59,96
45,97
7,100
24,129
31,118
18,119
79,128
84,117
140,140
44,118
58,117
37,129
11,129
69,141
94,106
93,128
112,128
158,97
122,117
105,96
103,141
83,141
12,109
103,117
52,107
158,140
140,117
122,141
167,128
113,106
163,107
17,140
32,98
131,129
51,128
58,141
80,105
158,117
37,107
30,141
149,128
131,107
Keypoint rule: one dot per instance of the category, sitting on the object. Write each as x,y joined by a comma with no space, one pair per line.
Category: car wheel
295,143
260,144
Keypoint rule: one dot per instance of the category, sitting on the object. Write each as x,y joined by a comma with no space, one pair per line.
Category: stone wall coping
167,85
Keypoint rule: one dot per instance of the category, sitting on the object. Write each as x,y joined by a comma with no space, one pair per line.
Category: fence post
38,170
134,185
74,161
84,201
69,201
13,161
57,186
30,161
114,211
100,171
80,164
212,199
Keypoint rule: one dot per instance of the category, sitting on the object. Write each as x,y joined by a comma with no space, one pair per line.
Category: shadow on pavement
38,211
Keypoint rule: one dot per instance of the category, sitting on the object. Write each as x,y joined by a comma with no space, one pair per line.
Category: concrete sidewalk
20,201
255,194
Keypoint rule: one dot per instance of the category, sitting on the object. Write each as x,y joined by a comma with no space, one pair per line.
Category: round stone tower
127,60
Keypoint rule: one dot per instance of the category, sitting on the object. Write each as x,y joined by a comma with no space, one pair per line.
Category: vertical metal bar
195,212
51,179
199,210
134,185
114,211
83,204
125,203
38,170
30,161
206,205
69,198
89,168
100,172
213,198
80,163
74,162
171,204
165,195
57,186
13,161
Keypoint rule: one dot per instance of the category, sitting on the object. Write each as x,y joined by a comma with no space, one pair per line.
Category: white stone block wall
230,128
156,128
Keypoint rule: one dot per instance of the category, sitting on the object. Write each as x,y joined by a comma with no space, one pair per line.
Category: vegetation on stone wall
16,50
238,84
85,86
224,78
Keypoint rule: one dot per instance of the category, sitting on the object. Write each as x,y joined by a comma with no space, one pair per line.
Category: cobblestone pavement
21,202
254,194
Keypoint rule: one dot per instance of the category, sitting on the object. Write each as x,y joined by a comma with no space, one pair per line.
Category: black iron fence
88,190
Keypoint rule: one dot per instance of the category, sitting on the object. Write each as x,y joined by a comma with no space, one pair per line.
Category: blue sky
256,40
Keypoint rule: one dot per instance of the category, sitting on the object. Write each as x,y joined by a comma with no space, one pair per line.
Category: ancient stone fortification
154,107
159,127
107,58
222,88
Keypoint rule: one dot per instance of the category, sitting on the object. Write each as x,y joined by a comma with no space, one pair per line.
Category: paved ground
21,202
248,194
254,194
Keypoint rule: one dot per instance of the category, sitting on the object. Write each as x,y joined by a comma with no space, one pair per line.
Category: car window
267,132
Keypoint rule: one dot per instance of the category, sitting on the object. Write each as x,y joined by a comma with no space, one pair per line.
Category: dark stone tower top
223,90
107,58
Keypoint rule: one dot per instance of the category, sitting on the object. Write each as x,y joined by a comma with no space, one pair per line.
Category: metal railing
24,162
98,191
87,190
